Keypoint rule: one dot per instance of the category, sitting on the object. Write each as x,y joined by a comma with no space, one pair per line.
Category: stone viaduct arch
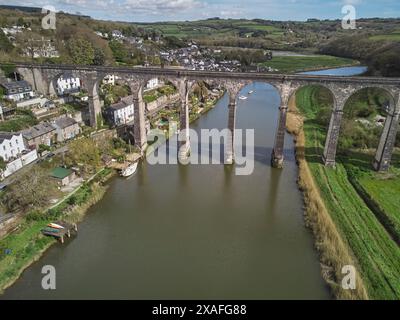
136,77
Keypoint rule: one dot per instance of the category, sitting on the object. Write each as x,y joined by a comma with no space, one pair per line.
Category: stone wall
161,102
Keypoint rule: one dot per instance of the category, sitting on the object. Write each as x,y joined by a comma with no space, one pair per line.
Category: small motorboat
251,91
243,98
129,170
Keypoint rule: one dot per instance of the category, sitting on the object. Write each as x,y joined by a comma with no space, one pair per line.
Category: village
37,129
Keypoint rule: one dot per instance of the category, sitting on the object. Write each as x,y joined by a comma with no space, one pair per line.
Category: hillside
373,38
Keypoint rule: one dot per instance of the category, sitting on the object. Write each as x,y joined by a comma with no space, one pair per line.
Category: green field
395,36
300,63
215,28
381,189
377,254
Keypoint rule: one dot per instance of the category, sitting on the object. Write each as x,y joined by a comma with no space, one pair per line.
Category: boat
243,98
251,91
55,226
129,170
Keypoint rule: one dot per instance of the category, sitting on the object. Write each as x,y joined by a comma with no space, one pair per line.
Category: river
195,231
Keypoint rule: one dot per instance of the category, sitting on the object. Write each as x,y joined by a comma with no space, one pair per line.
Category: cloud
163,10
160,6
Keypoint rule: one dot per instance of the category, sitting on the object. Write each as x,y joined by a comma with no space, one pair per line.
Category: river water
195,231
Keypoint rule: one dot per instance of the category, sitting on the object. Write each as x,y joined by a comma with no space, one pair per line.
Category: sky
181,10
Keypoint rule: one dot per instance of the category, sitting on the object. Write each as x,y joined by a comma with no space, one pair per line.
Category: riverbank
360,235
27,244
333,251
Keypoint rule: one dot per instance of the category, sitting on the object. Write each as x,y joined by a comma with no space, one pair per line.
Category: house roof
65,122
38,130
128,100
125,102
7,136
61,173
16,85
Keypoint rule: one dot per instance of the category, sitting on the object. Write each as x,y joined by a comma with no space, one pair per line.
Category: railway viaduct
44,78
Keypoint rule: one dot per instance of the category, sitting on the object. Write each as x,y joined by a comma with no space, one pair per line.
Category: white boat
251,91
129,170
243,98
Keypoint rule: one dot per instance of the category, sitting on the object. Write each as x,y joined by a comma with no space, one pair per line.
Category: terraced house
42,133
66,128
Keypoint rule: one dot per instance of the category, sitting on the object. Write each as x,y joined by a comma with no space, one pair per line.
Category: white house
14,153
68,83
11,145
153,83
116,34
18,90
121,112
110,79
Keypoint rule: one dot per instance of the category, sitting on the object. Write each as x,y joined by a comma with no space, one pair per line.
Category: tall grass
375,255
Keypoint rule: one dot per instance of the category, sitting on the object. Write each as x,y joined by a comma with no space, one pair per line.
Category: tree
3,164
99,57
81,51
43,148
20,22
5,44
84,152
31,190
119,51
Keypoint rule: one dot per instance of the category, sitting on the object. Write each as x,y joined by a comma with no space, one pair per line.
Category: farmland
290,64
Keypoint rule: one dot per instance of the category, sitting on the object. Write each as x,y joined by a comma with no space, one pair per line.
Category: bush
36,215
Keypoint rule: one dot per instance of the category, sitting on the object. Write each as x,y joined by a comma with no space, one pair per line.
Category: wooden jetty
60,234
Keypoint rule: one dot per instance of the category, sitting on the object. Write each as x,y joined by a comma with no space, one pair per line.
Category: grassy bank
291,64
379,190
27,244
365,242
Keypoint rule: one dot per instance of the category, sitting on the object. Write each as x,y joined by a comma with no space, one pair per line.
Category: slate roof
15,85
7,136
65,122
125,102
38,130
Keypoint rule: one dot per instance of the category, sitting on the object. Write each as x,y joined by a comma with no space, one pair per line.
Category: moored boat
129,170
55,226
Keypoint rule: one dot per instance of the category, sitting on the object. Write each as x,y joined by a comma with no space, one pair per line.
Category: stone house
42,133
66,128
